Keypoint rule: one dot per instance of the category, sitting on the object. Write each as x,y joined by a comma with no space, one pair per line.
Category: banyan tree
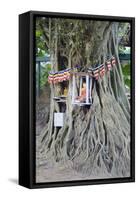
95,136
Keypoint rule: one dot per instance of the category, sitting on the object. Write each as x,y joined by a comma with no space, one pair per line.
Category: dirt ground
49,171
60,173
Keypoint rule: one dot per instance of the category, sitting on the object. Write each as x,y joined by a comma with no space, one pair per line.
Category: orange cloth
82,96
83,92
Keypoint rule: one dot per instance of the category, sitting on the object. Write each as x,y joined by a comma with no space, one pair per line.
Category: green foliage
44,75
124,50
121,49
126,74
40,44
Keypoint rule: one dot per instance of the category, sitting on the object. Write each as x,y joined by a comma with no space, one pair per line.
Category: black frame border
27,172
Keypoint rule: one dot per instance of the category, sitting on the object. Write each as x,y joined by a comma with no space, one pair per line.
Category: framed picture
76,99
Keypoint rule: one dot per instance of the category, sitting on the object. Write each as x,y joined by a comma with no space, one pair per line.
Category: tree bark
95,139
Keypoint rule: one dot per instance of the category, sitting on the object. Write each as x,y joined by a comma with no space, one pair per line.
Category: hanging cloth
56,77
102,70
108,63
51,77
113,61
96,74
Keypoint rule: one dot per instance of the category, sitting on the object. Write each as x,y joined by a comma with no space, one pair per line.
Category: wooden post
87,89
90,92
80,85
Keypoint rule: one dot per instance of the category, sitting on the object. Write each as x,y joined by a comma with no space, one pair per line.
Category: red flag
102,70
96,74
108,65
113,61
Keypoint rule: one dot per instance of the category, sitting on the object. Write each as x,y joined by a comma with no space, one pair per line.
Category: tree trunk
95,139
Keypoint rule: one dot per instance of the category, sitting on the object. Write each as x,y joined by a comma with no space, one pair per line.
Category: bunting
60,76
96,74
101,69
64,75
113,61
108,65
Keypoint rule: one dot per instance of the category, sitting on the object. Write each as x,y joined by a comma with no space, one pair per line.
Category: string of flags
99,71
60,76
103,68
